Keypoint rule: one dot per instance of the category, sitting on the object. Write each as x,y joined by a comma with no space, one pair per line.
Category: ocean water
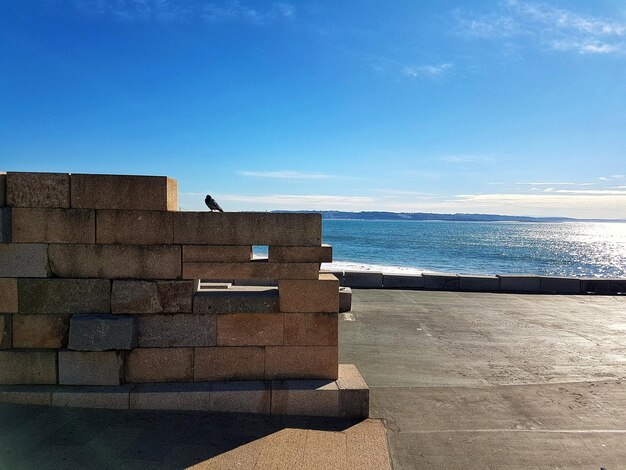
558,249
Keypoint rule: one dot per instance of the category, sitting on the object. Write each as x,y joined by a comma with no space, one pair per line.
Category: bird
212,204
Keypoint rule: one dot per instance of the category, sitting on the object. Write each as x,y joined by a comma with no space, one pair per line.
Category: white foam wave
353,266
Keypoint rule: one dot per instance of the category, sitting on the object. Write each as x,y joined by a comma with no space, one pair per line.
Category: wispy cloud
552,184
427,71
287,174
467,159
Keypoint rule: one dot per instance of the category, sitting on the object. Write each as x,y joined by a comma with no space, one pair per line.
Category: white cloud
287,174
426,71
554,184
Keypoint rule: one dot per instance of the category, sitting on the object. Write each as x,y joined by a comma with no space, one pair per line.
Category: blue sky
511,107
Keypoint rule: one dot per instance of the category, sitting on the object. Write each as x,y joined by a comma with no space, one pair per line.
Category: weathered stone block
229,363
40,331
363,280
259,269
479,283
216,254
353,393
159,365
521,283
311,329
176,330
403,281
305,398
171,396
559,285
103,397
38,190
152,296
321,295
301,362
3,189
34,225
27,394
6,229
237,300
617,286
28,367
116,261
300,254
249,329
247,228
134,227
53,296
345,299
102,332
595,286
23,260
6,341
90,368
8,295
338,274
240,397
433,281
124,192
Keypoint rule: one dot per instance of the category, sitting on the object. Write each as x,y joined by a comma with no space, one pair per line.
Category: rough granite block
6,341
305,398
151,296
259,269
595,286
90,368
311,329
479,283
521,283
345,299
159,365
27,394
28,367
103,397
301,362
176,330
38,190
216,254
33,225
247,228
321,295
158,193
23,260
363,280
229,363
8,295
116,261
6,229
300,254
237,300
249,329
53,296
171,396
403,281
559,285
338,274
102,332
240,397
134,227
3,189
353,393
40,331
435,281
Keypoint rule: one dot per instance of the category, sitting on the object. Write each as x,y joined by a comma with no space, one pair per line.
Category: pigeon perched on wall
212,204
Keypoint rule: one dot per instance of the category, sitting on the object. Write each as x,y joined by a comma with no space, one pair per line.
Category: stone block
353,393
595,286
403,281
617,286
345,299
8,295
311,329
38,190
301,362
176,330
237,300
6,229
559,285
435,281
34,225
134,227
55,296
259,269
229,363
247,228
255,282
90,368
28,367
102,397
338,274
27,394
171,396
3,189
116,261
520,283
300,254
216,254
152,296
102,332
40,331
305,398
6,337
479,283
23,260
159,365
145,193
363,280
298,295
249,329
240,397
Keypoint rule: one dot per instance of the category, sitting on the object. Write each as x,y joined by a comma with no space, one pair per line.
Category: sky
504,107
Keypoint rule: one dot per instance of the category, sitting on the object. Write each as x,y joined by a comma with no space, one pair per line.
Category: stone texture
249,329
338,274
240,397
259,269
216,254
114,398
363,280
33,225
23,260
403,281
6,341
559,285
435,281
353,393
301,362
479,283
102,332
40,331
247,228
345,299
53,296
27,394
229,363
90,368
595,286
528,284
305,398
38,190
311,329
321,295
172,396
8,295
3,189
28,367
300,254
159,365
134,227
176,330
6,230
124,192
237,300
152,296
116,261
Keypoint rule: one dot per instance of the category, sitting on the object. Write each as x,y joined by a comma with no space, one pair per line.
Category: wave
355,266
